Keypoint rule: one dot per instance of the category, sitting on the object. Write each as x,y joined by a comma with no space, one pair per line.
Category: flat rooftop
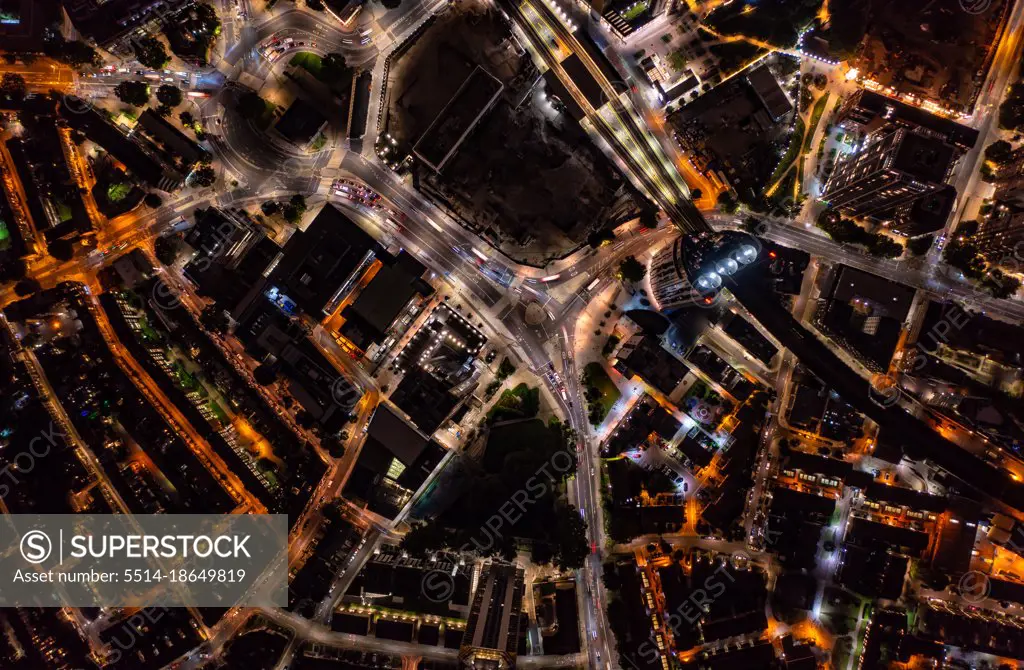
320,262
584,81
457,119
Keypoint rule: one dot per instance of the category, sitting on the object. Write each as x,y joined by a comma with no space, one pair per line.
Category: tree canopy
150,51
134,93
12,86
203,176
169,95
630,269
919,246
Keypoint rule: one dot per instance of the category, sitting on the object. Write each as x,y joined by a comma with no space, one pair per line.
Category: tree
391,4
153,201
335,445
999,152
425,538
62,250
26,287
752,225
333,69
295,208
1011,112
304,419
151,52
696,194
541,553
967,229
886,247
164,111
12,86
1000,284
134,93
169,95
270,208
214,319
13,269
599,237
963,255
166,250
571,546
332,512
630,269
919,246
727,203
76,53
203,176
187,119
264,374
506,369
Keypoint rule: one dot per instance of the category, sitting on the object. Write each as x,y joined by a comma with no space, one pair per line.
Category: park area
600,391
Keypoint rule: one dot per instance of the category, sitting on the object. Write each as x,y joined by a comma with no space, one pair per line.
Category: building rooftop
393,463
456,120
644,357
869,107
926,158
769,92
383,299
426,399
173,140
323,262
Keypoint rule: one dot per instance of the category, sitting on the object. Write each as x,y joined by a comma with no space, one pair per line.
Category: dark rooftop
321,260
646,358
769,92
172,139
926,158
387,294
870,105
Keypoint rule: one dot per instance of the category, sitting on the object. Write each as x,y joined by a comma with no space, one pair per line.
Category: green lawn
521,402
309,62
118,192
677,60
218,411
634,10
819,109
63,210
791,152
265,119
595,375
